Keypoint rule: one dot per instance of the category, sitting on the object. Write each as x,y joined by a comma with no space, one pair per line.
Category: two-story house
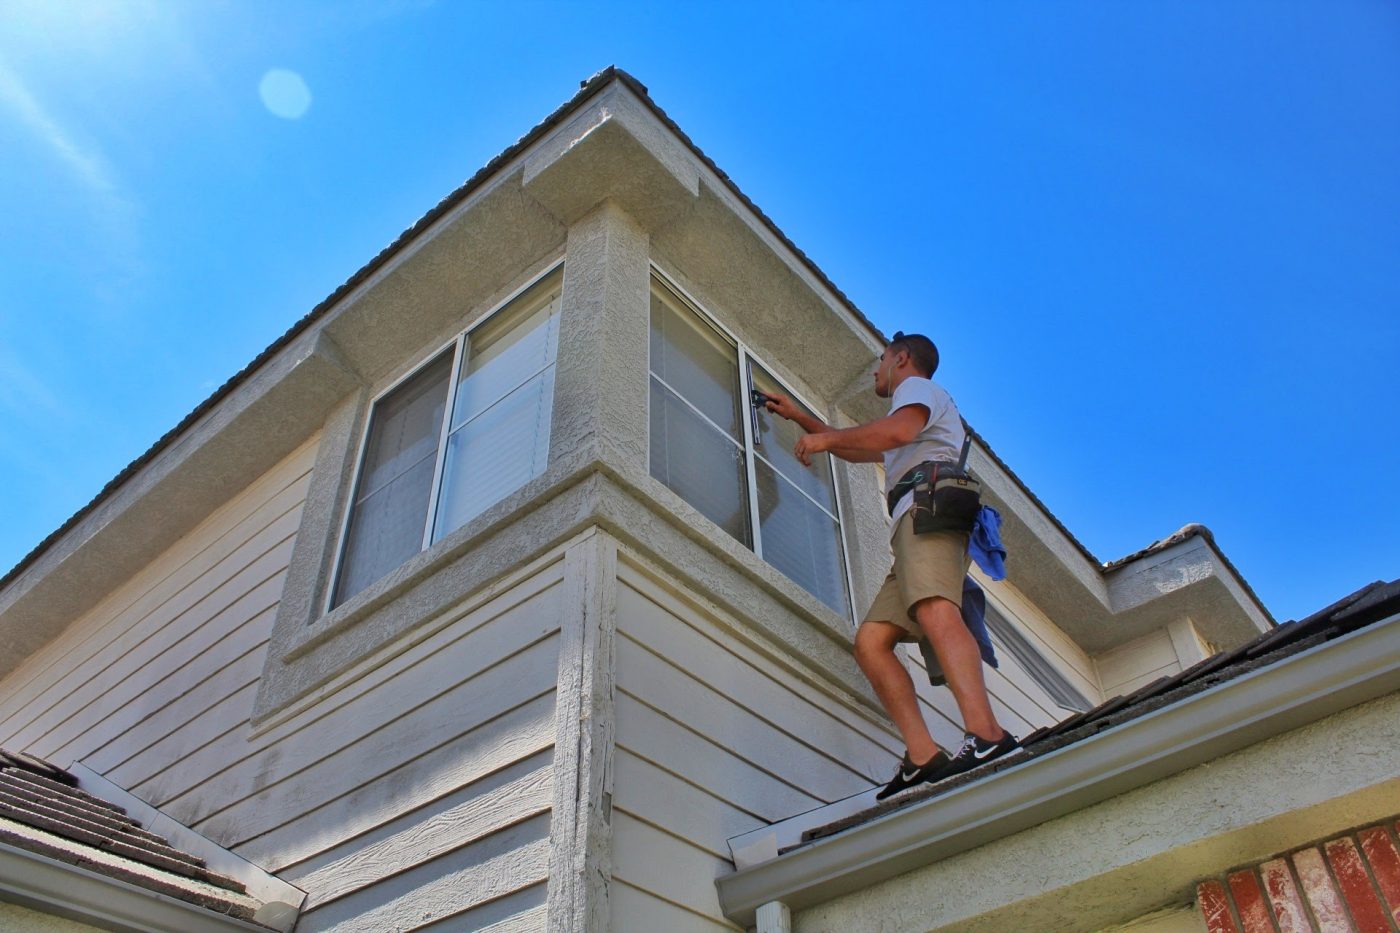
485,599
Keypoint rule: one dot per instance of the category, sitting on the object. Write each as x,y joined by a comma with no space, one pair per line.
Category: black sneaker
976,752
908,774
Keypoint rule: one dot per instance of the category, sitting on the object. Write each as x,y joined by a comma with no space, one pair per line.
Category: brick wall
1350,884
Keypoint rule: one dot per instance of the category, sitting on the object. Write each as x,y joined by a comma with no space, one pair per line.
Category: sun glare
284,93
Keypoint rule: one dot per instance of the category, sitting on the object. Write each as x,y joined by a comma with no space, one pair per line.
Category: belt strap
915,475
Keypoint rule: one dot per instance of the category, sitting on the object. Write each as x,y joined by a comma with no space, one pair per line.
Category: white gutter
1311,685
54,887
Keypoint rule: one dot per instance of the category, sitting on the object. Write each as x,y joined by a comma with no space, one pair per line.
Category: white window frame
458,344
746,358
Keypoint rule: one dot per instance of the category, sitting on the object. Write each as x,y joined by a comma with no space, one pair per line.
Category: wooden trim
580,861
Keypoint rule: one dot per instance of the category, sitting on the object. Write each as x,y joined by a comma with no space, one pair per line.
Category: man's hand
809,444
781,405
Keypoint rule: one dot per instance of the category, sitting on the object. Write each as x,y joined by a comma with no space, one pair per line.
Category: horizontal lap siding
1048,638
415,793
714,738
100,687
1020,704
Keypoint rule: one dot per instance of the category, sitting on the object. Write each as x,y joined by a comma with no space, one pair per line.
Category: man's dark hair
921,351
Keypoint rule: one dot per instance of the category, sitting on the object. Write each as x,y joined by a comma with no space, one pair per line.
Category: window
425,473
1006,635
734,462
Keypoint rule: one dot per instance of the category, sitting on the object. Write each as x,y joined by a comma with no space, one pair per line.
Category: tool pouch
945,499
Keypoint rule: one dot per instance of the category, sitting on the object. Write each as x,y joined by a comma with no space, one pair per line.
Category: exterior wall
16,918
164,663
1048,638
1351,882
1170,920
1162,653
414,790
719,731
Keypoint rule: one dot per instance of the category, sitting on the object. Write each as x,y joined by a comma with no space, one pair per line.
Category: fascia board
70,891
1314,684
265,418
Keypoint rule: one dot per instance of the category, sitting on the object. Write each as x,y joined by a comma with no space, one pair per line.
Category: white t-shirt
941,438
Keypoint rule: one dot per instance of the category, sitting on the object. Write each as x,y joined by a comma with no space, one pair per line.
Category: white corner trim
1315,683
54,887
281,902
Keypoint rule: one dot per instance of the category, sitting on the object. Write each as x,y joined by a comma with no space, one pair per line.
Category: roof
43,812
1370,604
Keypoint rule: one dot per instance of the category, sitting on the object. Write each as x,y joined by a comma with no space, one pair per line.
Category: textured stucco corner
601,379
613,149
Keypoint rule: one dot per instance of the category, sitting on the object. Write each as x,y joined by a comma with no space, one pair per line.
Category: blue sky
1156,242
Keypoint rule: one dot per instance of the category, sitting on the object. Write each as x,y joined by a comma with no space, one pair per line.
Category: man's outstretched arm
865,442
785,407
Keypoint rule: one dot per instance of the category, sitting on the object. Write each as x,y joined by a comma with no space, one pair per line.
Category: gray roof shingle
43,811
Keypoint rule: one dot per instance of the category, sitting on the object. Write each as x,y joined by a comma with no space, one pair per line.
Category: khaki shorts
924,566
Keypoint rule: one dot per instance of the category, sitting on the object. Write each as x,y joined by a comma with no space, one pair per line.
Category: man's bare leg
961,660
875,653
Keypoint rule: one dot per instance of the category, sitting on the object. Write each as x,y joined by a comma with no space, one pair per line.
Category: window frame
457,345
746,359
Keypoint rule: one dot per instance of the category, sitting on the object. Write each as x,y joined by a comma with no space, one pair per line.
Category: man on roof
922,596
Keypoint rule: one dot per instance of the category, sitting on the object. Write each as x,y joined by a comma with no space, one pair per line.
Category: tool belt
946,497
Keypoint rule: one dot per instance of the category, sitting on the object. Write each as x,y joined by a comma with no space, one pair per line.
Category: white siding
103,689
715,736
1138,663
1049,639
415,793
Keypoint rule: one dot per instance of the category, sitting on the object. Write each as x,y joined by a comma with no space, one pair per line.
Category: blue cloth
974,616
984,545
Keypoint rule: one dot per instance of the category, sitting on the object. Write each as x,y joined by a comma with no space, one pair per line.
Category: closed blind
697,446
797,516
499,436
390,507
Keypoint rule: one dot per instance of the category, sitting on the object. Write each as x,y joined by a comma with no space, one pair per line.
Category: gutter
85,896
1241,712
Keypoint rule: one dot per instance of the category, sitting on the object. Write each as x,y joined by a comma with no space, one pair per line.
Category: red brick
1366,910
1289,912
1215,907
1250,903
1379,850
1320,892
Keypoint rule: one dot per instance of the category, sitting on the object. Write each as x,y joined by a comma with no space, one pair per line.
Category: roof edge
55,887
1303,688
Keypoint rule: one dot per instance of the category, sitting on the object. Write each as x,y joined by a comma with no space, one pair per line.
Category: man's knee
874,639
937,608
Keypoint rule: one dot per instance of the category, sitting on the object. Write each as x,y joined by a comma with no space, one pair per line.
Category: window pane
501,417
800,539
695,361
776,438
499,360
699,463
496,453
390,508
